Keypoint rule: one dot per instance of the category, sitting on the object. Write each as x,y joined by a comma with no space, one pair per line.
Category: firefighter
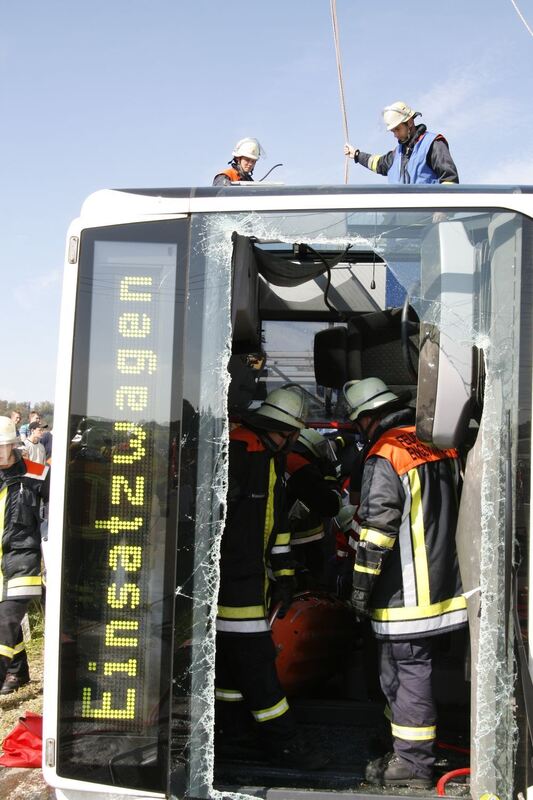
314,493
419,157
20,551
245,155
406,574
256,571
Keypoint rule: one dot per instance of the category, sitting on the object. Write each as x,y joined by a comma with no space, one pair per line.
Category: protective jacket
230,175
255,545
406,555
20,564
315,491
425,158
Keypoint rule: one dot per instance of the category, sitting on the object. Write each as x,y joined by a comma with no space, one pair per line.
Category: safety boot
13,683
391,770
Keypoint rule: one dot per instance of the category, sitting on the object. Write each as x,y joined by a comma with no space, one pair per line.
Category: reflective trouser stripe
228,695
19,648
24,591
414,734
241,612
28,580
277,550
266,714
242,626
6,651
283,538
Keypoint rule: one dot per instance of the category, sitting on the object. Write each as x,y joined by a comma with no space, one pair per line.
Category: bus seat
330,357
379,350
369,346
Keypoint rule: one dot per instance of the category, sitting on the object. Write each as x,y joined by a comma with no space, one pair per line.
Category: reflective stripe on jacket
256,539
406,556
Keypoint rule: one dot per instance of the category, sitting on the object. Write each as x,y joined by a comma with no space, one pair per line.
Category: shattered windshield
432,302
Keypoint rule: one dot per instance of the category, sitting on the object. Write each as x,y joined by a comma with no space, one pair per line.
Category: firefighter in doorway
20,551
256,571
244,158
419,157
314,494
406,574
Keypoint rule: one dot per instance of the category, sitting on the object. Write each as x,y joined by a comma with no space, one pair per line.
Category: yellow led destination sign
113,676
130,475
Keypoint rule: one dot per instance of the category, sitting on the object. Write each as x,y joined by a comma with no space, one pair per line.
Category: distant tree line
45,409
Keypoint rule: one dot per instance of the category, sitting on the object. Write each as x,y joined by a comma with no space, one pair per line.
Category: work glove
351,152
282,592
359,601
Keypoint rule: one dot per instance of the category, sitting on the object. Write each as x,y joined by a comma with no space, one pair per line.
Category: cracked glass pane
436,303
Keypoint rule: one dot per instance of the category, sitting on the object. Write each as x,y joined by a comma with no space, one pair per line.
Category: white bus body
163,289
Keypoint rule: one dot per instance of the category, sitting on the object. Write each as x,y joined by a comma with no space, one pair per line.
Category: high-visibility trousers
11,642
246,681
405,676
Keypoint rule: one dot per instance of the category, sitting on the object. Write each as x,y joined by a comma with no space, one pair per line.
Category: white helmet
282,409
249,148
345,518
397,113
8,433
367,395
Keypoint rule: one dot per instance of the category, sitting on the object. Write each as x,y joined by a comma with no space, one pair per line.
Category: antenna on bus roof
269,171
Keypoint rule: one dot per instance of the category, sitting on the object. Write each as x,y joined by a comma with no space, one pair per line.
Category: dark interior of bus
326,656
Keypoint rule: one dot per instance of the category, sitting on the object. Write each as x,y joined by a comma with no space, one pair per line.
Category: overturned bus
181,309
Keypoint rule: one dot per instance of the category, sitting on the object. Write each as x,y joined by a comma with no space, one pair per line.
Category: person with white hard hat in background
256,572
406,574
419,157
20,552
245,155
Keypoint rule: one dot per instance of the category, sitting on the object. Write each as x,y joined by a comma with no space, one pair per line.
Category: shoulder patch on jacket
405,452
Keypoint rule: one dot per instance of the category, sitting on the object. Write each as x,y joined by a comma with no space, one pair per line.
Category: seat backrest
380,348
368,346
330,357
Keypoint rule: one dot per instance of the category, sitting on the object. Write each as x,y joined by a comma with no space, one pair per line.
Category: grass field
30,697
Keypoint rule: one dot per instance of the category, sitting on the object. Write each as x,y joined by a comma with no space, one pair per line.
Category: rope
521,17
333,6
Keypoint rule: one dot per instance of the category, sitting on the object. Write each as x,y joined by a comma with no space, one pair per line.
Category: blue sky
118,93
